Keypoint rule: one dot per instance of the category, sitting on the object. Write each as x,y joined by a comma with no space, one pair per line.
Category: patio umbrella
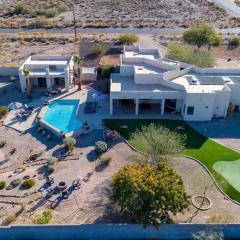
15,105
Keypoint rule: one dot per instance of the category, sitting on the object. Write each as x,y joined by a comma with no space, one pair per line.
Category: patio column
163,107
136,106
48,80
111,106
67,79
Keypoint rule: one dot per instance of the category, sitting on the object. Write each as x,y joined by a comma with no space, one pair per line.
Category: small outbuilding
89,74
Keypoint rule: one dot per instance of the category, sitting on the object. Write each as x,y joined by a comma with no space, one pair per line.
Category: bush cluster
128,38
3,111
97,49
51,165
70,143
28,183
190,55
234,41
45,218
101,147
2,185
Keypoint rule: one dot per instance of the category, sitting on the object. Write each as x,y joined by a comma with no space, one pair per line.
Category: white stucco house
48,72
149,84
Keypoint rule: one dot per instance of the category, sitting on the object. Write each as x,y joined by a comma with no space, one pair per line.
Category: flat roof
127,84
47,62
130,54
144,68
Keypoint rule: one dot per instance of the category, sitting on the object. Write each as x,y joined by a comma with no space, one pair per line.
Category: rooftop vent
140,68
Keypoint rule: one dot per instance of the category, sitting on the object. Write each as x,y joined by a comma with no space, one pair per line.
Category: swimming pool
62,114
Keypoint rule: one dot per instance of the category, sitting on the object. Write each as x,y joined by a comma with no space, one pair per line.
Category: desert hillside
113,13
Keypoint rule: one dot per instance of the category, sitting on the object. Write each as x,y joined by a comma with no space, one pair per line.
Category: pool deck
94,120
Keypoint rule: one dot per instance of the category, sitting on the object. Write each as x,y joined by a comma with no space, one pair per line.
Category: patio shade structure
15,106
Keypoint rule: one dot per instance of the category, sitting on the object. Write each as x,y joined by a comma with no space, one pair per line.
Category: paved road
112,30
230,6
226,132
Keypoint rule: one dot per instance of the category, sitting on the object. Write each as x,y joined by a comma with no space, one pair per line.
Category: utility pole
74,20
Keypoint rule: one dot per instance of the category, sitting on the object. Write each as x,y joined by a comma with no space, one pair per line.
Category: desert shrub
20,8
28,183
45,218
34,156
51,168
62,7
51,165
190,55
51,12
112,135
10,218
220,219
3,143
51,161
97,49
102,163
234,41
128,38
41,22
3,111
70,143
2,185
16,182
101,147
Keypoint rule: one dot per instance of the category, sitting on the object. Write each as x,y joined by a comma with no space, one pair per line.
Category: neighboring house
48,72
149,84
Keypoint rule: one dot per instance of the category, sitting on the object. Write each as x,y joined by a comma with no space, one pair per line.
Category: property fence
113,231
8,71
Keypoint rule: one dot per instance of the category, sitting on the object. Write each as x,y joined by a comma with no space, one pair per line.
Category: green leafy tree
26,73
148,194
200,34
158,142
78,61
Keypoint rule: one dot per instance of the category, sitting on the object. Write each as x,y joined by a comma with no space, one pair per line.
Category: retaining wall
112,231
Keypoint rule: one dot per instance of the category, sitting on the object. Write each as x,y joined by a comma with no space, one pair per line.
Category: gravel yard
124,13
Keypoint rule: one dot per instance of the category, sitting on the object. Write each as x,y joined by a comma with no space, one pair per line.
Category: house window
190,110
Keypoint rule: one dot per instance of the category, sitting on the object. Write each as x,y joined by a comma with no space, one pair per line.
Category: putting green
230,170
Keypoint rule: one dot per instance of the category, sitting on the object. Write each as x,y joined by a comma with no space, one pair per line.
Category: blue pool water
61,114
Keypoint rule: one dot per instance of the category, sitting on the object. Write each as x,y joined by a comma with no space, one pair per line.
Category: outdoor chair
65,194
50,180
76,183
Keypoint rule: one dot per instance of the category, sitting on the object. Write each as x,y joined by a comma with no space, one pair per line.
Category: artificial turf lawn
197,146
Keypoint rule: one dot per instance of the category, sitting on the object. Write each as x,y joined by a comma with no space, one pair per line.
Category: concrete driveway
226,132
146,41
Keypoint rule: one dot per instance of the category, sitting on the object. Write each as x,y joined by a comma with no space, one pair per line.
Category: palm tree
26,73
78,61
